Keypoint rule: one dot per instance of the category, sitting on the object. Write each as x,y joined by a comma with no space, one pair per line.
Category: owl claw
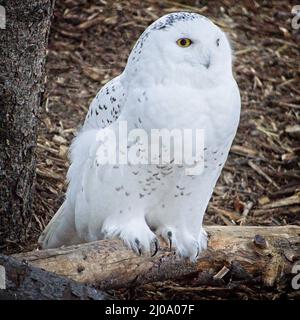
138,248
198,252
156,247
169,235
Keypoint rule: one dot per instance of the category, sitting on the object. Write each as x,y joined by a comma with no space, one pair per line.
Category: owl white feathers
178,75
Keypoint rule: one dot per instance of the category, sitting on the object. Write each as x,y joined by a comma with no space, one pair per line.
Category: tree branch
264,254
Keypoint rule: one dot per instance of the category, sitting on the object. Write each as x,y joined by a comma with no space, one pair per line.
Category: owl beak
207,63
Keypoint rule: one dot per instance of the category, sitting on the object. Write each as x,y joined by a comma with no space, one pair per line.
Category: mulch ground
89,44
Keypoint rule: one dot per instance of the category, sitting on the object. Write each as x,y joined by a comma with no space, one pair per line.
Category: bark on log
263,255
22,57
24,282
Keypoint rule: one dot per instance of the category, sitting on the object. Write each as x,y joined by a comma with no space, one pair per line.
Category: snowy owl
178,75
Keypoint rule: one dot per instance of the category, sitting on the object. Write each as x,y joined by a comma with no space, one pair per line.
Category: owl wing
106,106
103,111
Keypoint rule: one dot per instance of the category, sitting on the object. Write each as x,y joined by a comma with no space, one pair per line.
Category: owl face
186,43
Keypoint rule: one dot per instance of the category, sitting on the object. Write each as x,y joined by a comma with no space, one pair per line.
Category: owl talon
156,247
138,248
169,235
198,252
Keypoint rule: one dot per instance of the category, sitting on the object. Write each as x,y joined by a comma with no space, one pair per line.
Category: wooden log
19,281
263,255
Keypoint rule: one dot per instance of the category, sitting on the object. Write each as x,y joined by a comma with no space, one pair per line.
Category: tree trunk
29,283
257,255
22,55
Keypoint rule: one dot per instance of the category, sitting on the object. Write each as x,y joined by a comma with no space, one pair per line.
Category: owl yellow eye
184,42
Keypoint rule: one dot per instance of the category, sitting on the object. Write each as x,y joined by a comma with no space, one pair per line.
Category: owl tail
60,230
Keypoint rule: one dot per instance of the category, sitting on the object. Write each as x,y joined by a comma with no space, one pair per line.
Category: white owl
178,75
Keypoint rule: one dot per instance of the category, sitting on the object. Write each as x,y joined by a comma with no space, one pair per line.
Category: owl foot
185,245
136,235
140,249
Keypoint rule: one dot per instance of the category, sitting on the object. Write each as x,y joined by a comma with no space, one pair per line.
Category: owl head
185,44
